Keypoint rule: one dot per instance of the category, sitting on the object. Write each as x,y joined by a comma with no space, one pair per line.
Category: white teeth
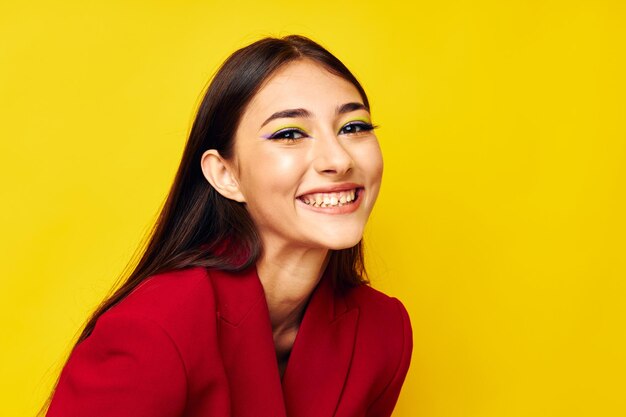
330,199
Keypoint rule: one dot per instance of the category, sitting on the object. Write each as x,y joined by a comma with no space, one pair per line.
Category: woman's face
306,159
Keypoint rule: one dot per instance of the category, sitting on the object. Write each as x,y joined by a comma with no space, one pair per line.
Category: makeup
285,129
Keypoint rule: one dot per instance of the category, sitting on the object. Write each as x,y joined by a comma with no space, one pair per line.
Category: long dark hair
197,225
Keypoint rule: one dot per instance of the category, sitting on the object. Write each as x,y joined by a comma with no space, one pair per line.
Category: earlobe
219,174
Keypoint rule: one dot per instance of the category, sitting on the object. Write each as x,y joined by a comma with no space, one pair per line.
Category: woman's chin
337,238
343,243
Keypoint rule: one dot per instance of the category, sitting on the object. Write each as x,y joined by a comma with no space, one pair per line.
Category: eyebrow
304,113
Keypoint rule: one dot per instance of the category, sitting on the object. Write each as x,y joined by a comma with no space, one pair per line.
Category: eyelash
363,126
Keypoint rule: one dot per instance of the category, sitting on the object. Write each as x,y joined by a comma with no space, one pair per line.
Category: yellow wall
501,219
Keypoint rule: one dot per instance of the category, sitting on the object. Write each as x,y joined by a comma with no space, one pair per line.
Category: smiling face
306,161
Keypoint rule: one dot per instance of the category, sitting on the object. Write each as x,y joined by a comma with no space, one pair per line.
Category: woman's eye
288,134
356,127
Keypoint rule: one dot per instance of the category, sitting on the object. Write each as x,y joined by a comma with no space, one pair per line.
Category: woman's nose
331,157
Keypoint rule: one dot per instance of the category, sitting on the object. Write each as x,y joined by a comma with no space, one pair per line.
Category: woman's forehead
301,84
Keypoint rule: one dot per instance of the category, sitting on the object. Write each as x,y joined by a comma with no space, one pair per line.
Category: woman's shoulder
382,317
143,352
170,298
385,344
369,299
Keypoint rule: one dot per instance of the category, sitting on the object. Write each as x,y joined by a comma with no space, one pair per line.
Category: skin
269,174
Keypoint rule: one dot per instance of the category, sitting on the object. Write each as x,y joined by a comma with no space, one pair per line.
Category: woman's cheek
275,173
287,162
370,159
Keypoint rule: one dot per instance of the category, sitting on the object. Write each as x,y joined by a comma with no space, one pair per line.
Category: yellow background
501,219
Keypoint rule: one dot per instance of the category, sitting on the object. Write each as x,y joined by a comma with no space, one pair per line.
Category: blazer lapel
247,345
321,355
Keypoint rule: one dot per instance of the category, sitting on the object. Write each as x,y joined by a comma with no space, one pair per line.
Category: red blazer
198,342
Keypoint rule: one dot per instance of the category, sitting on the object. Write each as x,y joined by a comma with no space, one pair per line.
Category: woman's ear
219,173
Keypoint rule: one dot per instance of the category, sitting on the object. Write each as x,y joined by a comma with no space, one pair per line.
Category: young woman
251,298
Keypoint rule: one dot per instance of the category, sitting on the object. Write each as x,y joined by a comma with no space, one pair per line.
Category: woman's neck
288,277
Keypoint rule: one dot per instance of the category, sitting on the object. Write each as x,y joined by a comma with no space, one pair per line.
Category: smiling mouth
336,199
